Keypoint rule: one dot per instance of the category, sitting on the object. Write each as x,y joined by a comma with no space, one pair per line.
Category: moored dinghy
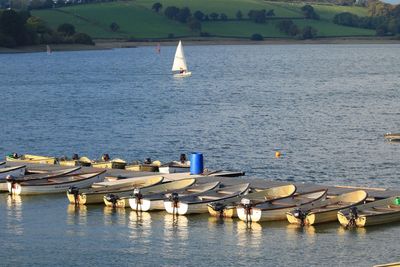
45,174
53,185
276,210
16,171
119,201
326,210
146,166
75,161
198,203
27,158
392,137
227,208
95,195
174,167
155,201
373,213
107,163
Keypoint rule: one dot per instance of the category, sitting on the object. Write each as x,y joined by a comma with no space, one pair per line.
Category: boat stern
249,215
140,204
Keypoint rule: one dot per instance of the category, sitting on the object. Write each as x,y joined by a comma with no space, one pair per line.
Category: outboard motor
247,204
147,161
113,199
353,214
105,157
218,206
299,214
11,179
137,194
174,198
74,191
75,157
183,158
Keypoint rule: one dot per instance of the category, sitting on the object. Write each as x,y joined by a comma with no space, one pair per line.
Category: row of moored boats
190,195
183,165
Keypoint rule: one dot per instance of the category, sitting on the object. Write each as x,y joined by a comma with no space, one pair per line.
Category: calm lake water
325,107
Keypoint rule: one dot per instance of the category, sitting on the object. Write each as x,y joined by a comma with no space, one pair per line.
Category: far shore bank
104,44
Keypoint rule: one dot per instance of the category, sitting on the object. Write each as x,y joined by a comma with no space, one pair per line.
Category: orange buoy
277,154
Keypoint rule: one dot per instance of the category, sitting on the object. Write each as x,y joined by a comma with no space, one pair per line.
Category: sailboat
180,63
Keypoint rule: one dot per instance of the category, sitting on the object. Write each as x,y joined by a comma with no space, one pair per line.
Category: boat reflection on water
249,234
295,230
343,231
76,214
218,223
14,215
175,226
14,201
115,216
139,225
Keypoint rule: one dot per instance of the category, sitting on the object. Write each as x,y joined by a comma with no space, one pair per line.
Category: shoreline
105,44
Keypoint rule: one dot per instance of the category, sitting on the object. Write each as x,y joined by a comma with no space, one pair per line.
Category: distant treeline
384,18
184,15
44,4
20,28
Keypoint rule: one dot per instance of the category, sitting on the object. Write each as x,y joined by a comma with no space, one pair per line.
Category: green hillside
137,20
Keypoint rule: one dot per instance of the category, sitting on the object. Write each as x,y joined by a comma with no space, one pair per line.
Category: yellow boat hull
120,203
226,213
27,158
109,165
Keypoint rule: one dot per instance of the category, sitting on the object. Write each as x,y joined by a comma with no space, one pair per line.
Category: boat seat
209,197
226,192
389,208
284,204
370,211
194,190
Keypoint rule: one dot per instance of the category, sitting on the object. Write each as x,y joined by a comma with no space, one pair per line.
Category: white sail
179,60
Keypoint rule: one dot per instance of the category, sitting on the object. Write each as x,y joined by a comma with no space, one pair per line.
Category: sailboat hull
182,75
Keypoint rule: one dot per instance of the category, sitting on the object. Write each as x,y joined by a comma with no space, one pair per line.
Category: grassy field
137,20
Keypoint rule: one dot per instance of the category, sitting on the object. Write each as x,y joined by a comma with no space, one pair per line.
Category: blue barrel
196,163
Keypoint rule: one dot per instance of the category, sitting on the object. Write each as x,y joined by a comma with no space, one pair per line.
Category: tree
82,38
171,12
223,17
114,26
7,41
35,4
309,13
258,16
257,37
13,25
48,4
214,16
346,19
156,7
309,32
198,15
381,30
66,29
37,24
183,15
270,13
239,15
288,27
